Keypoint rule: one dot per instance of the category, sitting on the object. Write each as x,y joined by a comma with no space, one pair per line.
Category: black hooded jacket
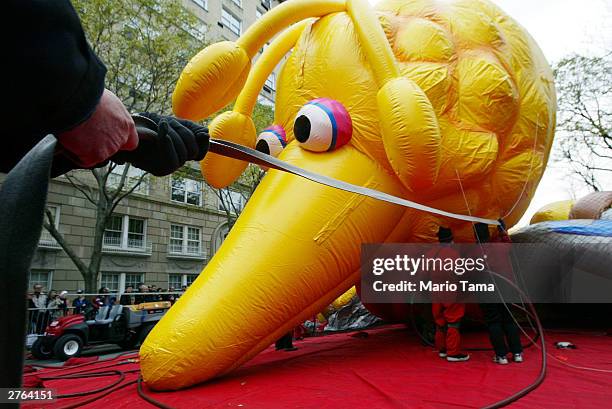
53,78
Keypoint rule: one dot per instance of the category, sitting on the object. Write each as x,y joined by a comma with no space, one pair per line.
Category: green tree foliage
584,123
144,44
263,116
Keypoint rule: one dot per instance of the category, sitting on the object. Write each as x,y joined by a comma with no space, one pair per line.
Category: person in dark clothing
285,342
57,87
80,304
170,297
503,331
142,298
127,298
102,299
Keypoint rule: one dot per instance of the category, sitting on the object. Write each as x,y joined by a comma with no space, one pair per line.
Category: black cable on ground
542,375
94,398
149,399
88,375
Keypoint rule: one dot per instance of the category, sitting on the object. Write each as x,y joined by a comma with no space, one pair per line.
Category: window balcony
47,241
184,252
114,245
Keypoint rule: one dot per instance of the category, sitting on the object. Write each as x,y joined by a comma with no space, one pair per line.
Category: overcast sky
561,27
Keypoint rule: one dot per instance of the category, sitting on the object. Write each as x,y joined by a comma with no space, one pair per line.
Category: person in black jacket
503,330
56,86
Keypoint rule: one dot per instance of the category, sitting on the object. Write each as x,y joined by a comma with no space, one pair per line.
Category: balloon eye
322,125
271,140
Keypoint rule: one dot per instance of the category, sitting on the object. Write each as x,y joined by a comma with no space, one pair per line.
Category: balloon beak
294,249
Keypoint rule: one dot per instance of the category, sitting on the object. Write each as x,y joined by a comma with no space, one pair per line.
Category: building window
202,3
133,280
113,232
237,2
258,13
110,281
271,82
266,4
176,280
136,237
125,232
190,278
40,277
219,237
186,191
185,240
232,22
133,177
118,282
231,201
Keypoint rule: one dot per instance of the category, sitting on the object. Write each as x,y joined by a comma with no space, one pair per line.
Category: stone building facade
162,234
227,19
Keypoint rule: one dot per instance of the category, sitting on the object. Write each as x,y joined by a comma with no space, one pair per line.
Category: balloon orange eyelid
323,125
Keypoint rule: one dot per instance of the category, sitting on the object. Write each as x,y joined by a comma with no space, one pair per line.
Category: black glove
162,153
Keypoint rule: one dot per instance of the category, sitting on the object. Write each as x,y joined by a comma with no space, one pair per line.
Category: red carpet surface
389,368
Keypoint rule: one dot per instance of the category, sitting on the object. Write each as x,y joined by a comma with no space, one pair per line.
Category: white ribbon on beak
236,151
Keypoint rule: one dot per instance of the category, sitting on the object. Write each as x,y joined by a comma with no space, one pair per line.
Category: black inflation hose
148,398
22,203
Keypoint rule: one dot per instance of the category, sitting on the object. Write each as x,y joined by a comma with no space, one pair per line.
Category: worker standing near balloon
447,315
503,330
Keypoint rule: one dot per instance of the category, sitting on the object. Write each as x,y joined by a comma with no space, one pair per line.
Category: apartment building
166,231
227,20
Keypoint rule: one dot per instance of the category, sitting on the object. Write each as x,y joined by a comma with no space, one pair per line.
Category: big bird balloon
446,103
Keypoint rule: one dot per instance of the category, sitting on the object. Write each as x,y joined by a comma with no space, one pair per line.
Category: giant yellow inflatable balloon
446,103
553,211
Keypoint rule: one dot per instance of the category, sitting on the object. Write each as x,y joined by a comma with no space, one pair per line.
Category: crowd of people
44,308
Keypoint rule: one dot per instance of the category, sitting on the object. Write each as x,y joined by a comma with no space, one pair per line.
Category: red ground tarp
387,369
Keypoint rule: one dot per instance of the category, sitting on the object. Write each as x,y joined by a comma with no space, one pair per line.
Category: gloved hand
176,141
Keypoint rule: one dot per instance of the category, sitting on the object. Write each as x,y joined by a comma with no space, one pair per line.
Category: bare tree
144,45
232,199
104,196
584,126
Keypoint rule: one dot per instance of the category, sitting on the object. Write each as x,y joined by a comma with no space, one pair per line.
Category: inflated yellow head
451,104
